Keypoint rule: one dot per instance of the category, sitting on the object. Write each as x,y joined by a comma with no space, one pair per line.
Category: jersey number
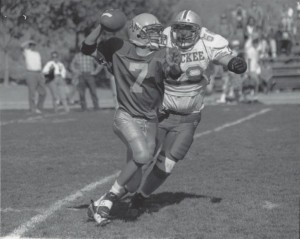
194,73
142,68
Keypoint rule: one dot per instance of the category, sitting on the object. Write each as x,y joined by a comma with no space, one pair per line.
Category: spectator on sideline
86,67
34,78
55,73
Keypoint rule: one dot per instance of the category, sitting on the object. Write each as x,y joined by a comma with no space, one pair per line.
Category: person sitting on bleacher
288,31
272,43
257,13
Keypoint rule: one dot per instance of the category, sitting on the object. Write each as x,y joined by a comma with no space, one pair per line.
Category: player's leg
176,145
131,131
133,185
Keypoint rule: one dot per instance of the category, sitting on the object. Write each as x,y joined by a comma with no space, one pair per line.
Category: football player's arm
222,54
172,63
89,44
234,63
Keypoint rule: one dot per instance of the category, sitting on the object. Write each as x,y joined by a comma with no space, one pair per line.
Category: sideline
21,230
32,119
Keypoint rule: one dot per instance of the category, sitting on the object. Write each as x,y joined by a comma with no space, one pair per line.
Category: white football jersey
186,94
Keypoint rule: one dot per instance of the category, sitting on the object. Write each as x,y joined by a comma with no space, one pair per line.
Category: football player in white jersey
183,97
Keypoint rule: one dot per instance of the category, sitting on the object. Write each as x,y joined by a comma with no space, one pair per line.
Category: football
113,20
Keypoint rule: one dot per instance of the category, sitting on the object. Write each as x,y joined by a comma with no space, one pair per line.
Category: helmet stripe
185,14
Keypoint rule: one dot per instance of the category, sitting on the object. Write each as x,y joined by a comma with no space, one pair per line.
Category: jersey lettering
142,68
192,56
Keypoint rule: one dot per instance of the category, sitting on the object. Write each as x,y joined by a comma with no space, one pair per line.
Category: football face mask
146,31
185,35
153,34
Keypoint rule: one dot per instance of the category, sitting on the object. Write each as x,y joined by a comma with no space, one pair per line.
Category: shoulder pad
167,31
212,39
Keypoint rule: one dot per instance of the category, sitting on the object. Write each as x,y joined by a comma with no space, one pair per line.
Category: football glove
172,62
237,65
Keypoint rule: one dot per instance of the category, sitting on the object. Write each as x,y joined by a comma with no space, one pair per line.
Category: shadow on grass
153,204
156,202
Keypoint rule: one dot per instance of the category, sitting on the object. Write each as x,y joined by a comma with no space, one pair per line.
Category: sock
153,181
134,183
118,190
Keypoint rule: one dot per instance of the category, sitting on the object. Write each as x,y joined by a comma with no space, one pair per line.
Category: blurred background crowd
260,31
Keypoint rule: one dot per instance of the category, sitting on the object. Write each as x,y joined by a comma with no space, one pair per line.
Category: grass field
240,179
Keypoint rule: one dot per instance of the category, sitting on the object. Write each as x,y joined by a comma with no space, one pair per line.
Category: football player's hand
237,65
173,56
173,60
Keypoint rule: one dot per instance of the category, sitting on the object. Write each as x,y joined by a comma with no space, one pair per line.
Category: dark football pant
176,134
174,139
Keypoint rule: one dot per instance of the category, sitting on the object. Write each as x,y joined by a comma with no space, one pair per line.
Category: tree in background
60,24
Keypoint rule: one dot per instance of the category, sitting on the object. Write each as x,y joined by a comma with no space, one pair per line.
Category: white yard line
31,119
21,230
230,124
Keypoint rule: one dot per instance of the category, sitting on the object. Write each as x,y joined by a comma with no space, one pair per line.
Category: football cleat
106,203
94,216
91,211
100,214
136,205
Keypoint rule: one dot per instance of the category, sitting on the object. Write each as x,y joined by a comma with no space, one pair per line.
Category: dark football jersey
139,80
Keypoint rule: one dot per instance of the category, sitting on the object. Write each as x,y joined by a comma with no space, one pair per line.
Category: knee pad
142,157
165,164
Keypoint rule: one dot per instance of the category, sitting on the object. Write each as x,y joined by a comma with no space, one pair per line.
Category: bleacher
286,73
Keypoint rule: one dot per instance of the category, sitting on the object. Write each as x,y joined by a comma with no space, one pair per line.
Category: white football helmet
185,29
145,30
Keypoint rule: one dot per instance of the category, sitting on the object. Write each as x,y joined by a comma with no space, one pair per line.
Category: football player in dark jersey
139,67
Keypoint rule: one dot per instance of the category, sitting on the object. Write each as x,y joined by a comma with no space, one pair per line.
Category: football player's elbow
237,65
88,49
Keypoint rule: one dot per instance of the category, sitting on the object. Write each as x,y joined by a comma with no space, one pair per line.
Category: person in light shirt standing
55,73
34,78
